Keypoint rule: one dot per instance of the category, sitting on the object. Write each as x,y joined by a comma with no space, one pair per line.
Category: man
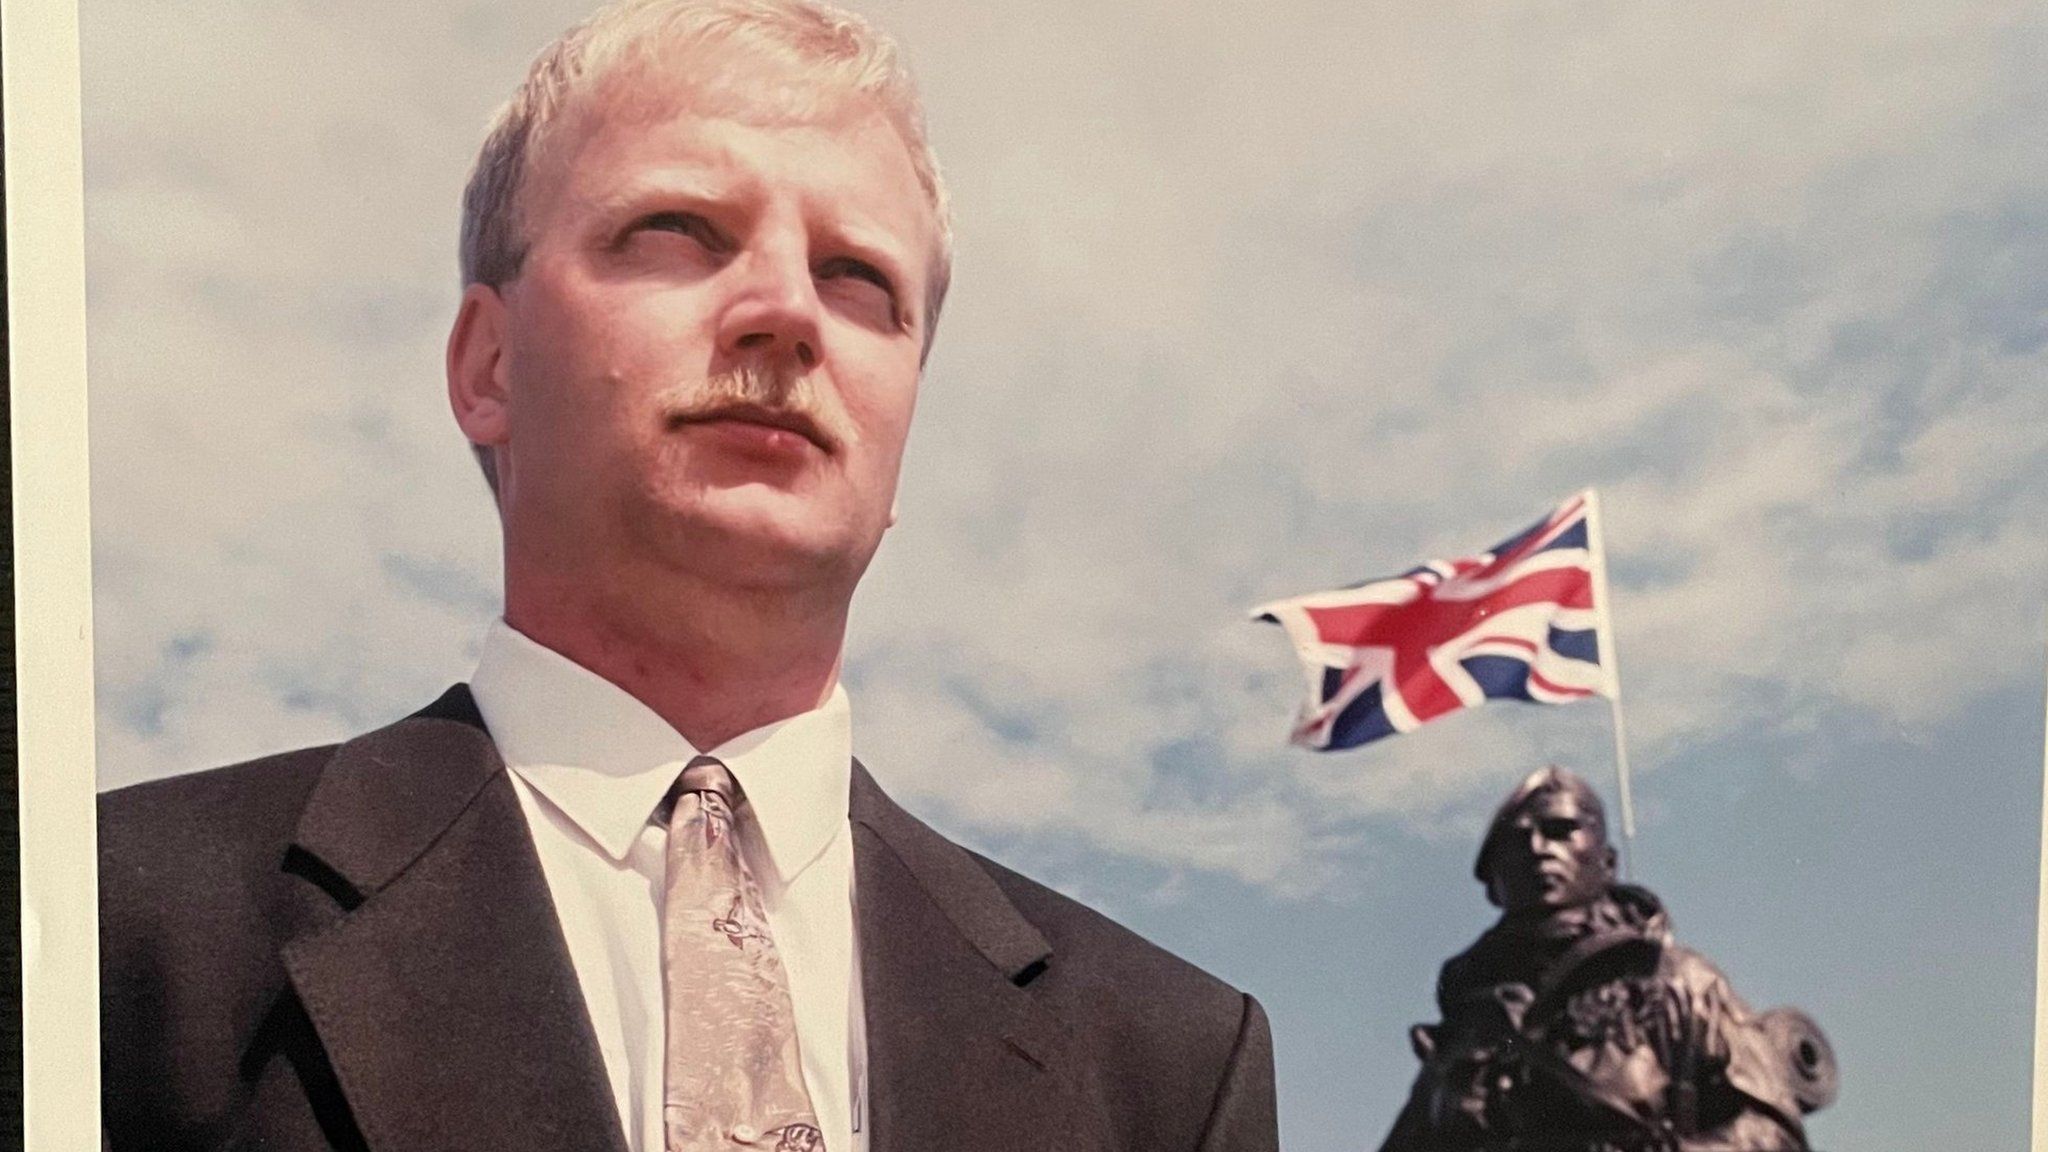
1576,1025
628,888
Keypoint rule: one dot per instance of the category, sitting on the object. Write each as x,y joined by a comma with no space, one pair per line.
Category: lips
786,419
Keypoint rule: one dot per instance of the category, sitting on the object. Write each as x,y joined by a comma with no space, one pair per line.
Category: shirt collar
606,760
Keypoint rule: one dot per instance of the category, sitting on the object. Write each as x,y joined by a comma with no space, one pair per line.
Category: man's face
711,353
1553,855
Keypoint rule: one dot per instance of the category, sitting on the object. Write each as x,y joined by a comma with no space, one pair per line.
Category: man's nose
774,308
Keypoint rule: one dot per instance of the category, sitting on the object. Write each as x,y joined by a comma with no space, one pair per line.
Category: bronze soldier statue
1575,1024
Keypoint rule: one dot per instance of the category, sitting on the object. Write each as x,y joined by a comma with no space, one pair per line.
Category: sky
1249,300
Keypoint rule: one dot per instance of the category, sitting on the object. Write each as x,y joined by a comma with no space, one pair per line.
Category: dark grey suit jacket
354,947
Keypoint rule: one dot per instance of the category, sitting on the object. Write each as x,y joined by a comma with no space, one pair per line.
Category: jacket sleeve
1244,1117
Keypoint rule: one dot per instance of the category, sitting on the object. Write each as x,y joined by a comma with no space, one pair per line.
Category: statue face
1554,854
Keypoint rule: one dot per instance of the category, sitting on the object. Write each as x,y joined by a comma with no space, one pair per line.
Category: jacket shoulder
1202,1049
210,823
1095,949
1092,958
192,900
1173,1056
192,862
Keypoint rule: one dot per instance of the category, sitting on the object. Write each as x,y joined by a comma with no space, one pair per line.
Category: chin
774,542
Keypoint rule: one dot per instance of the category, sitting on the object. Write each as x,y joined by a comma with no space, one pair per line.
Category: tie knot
706,774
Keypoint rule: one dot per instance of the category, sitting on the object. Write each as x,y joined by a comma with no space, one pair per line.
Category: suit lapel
441,987
451,1028
959,1053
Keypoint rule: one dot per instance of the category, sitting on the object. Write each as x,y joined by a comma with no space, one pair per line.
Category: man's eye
873,286
682,223
859,270
1559,829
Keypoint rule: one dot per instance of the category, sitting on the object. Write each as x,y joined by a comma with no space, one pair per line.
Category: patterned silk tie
731,1079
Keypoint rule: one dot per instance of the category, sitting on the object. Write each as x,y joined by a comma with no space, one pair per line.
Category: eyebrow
673,188
645,194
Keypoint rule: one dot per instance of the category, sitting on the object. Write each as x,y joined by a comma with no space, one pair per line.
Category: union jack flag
1524,620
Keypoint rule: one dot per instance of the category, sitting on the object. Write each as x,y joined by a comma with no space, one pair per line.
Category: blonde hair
829,49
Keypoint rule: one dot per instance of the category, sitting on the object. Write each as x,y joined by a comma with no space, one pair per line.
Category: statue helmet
1547,779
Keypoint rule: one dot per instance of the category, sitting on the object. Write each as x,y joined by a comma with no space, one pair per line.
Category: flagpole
2040,1086
1611,668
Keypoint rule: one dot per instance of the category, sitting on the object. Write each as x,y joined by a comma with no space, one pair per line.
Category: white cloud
1249,303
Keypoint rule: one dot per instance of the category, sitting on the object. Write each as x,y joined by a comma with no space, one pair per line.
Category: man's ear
476,367
1613,862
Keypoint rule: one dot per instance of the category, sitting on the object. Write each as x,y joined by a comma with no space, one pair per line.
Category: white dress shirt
591,764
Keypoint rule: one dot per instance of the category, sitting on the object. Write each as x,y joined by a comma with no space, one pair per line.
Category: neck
714,663
1542,921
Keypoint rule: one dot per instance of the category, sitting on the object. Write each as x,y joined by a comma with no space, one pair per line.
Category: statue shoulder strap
1556,981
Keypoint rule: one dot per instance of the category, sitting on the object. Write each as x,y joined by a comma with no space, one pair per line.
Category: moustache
773,390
